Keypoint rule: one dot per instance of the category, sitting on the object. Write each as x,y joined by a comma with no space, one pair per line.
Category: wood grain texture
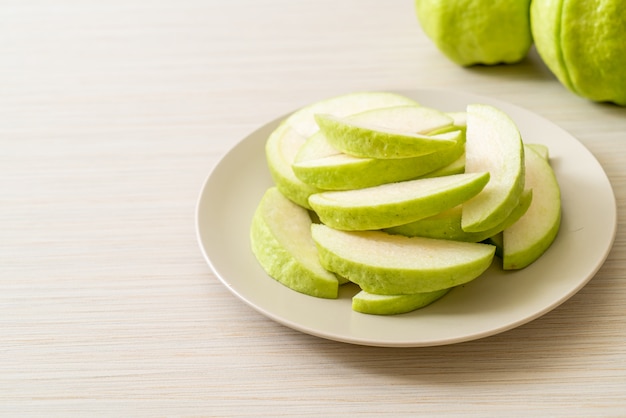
111,116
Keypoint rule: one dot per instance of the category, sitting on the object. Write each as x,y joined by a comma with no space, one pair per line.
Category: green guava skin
386,264
369,303
471,32
371,142
493,144
584,44
447,224
280,150
344,172
526,240
286,250
395,204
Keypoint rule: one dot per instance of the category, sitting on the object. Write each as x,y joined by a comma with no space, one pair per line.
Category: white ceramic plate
493,303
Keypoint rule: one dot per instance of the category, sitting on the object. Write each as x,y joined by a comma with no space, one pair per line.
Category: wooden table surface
112,115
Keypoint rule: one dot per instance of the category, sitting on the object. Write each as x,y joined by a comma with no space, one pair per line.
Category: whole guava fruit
473,32
584,44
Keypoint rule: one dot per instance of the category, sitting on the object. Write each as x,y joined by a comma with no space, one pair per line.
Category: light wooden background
112,114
